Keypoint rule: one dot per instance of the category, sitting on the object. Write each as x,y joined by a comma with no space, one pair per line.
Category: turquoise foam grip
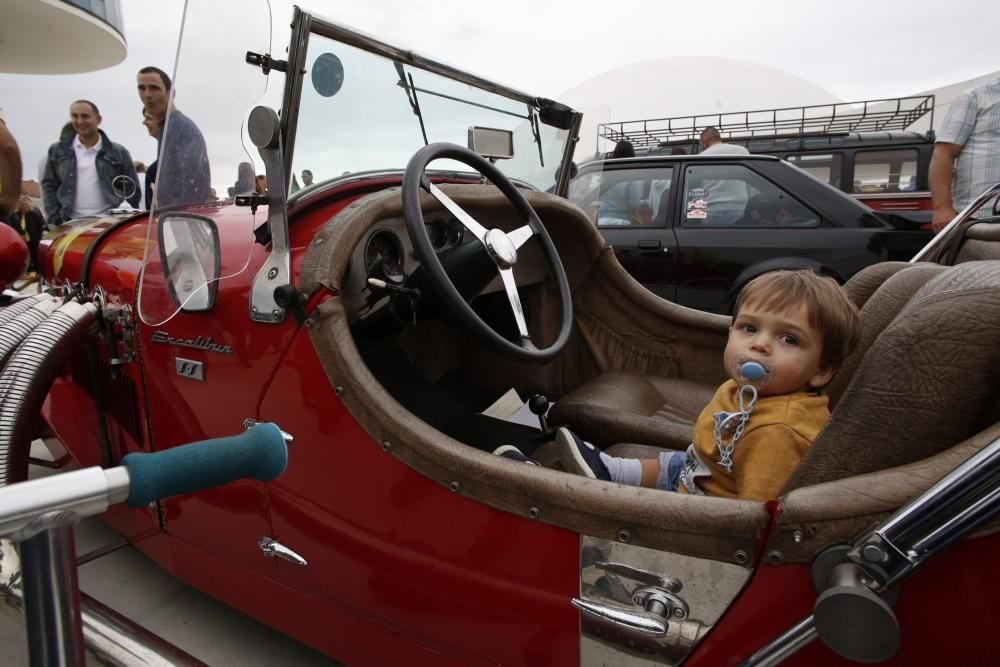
259,453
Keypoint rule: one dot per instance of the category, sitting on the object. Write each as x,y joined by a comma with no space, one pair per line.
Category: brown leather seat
927,382
627,407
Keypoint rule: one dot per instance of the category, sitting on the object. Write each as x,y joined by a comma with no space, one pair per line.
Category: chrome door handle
643,622
274,549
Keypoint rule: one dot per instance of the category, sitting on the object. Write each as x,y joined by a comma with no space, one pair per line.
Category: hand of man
942,216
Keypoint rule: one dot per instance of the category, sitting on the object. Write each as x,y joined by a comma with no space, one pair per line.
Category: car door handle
650,245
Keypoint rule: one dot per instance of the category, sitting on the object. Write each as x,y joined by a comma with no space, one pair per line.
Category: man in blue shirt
183,175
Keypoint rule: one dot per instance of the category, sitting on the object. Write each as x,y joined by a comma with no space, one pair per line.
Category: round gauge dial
384,257
437,231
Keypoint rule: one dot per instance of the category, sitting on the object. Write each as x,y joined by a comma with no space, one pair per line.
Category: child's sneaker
580,457
514,454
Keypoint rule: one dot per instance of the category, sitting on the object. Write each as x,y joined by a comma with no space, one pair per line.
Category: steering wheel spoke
520,235
470,223
510,286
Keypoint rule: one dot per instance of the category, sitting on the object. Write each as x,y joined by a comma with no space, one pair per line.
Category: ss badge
190,369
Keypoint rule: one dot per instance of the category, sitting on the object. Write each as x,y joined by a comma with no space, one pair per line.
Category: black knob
538,404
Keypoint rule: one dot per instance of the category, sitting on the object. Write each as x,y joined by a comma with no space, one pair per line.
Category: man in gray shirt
725,198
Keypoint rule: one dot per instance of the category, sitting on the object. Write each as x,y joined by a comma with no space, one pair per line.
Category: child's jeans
671,467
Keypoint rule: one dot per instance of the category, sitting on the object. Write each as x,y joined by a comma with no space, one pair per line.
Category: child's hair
830,311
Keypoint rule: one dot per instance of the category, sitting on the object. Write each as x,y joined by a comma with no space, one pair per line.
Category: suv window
624,197
824,166
885,171
728,195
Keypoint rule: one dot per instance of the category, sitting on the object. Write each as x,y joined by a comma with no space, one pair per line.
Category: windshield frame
305,24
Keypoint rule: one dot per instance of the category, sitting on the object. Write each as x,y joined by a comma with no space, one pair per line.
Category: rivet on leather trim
318,241
309,323
624,535
338,390
797,536
454,486
775,557
740,556
534,513
386,445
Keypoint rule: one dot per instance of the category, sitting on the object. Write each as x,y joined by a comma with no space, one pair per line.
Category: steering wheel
501,247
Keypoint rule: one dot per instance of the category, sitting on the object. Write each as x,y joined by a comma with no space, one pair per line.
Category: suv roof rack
842,118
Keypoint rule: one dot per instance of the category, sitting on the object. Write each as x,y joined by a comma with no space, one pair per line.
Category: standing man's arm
10,171
50,185
941,171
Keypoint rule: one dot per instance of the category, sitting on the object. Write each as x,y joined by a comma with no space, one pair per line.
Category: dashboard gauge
456,232
437,231
384,257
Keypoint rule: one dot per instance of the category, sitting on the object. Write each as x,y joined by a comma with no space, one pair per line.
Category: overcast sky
854,49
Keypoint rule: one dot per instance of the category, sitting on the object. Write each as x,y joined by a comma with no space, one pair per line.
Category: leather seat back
928,381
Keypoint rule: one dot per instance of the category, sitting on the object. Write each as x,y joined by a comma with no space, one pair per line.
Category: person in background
966,158
65,133
10,169
30,226
80,173
307,178
183,173
712,144
618,202
245,180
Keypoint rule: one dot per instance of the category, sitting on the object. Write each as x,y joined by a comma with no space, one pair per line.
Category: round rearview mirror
327,74
123,186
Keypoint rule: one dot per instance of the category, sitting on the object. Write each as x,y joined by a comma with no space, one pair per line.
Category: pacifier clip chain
735,422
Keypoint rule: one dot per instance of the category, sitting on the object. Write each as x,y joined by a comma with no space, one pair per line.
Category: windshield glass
197,112
362,112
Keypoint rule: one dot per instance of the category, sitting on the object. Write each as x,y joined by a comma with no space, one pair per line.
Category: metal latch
274,549
655,596
266,63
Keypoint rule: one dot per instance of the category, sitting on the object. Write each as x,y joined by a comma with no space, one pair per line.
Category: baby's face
784,343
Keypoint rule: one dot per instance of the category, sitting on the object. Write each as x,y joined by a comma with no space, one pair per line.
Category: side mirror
491,143
189,250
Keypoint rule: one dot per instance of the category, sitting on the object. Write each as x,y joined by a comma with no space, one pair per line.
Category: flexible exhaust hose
28,376
17,329
8,313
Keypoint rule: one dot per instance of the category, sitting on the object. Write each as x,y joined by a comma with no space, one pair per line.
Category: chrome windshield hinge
274,549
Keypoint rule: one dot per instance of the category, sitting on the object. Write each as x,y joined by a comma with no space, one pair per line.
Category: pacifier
750,371
753,371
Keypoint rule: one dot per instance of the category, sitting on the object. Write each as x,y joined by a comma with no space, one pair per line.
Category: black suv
695,229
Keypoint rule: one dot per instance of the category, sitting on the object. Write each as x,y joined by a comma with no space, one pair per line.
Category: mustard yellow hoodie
778,433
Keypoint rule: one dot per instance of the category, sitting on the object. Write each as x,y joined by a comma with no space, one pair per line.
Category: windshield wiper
411,96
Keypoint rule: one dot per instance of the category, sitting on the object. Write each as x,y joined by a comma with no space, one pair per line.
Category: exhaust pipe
8,313
27,377
16,329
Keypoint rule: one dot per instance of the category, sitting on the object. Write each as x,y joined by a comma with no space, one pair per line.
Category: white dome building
684,86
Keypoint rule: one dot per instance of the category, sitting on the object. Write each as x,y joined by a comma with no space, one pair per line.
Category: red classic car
378,313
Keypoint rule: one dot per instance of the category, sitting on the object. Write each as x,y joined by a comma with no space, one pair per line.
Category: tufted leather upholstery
927,382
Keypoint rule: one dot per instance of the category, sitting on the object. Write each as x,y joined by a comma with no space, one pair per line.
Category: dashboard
386,253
